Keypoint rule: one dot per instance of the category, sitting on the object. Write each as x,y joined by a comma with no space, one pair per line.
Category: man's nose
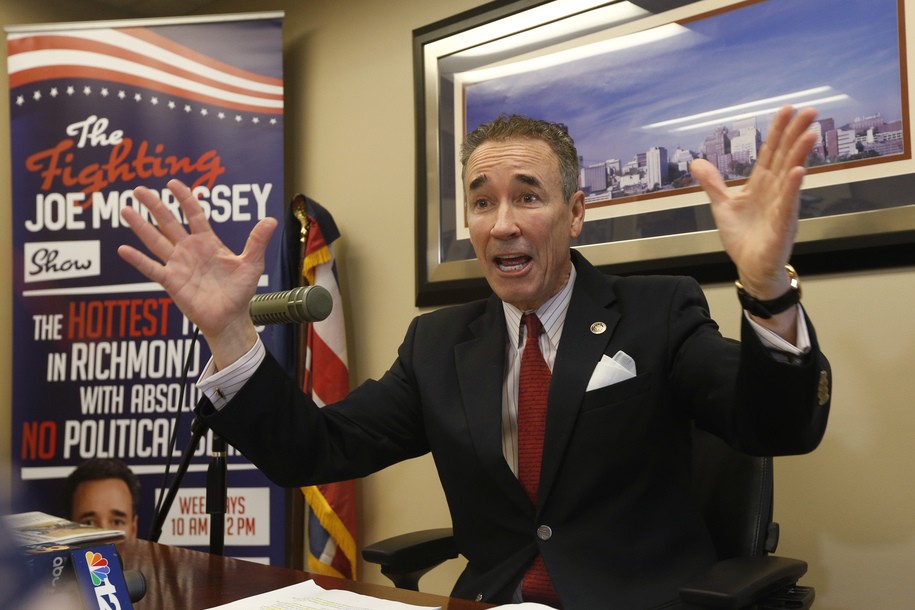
506,225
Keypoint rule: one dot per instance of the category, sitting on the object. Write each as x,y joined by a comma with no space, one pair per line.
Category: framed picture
646,86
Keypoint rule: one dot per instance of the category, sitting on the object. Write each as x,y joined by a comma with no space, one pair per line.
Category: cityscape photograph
706,88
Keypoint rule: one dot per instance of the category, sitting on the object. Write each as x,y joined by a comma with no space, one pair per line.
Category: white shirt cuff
222,386
774,341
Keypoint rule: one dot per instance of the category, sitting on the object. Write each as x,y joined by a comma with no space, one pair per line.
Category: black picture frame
871,223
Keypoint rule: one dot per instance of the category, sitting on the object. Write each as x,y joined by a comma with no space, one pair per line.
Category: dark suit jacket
616,466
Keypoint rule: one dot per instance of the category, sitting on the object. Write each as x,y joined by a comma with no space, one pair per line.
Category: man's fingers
768,155
259,238
169,226
803,144
196,219
166,220
154,239
791,188
791,142
142,263
798,139
709,179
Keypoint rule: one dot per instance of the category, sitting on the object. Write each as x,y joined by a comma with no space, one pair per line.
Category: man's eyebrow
478,182
528,179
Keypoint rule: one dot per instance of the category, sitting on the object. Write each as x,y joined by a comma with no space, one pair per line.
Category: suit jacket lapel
480,368
481,364
581,346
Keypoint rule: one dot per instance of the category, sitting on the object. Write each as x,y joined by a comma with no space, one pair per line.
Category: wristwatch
767,309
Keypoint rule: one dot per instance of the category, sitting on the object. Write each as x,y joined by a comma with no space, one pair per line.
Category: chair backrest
734,491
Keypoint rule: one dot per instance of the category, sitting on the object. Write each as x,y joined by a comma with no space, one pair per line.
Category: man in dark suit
608,521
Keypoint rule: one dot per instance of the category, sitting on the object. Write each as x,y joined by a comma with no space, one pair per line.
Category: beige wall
849,508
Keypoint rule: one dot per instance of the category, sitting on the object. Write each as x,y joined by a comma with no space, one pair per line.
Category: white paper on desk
523,606
309,596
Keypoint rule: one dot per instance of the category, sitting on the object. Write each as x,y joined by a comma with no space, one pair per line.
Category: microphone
302,304
93,574
136,584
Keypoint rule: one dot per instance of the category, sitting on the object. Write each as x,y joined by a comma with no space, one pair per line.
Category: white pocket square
612,370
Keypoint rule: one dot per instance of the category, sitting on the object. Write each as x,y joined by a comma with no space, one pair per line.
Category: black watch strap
767,309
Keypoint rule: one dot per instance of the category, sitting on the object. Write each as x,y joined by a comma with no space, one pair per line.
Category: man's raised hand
208,282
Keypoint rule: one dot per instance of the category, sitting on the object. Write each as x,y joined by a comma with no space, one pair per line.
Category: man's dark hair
515,126
96,469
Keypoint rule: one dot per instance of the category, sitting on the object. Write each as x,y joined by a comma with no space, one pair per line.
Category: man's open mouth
512,263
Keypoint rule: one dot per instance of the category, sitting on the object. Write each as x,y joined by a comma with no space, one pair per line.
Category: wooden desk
182,578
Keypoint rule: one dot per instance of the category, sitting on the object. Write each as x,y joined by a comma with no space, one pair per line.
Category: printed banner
99,353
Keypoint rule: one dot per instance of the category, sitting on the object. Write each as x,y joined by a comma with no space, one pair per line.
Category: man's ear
577,208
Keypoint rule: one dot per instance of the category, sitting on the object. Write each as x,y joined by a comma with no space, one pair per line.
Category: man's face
520,225
105,503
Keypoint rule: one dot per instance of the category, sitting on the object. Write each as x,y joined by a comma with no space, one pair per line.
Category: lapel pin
598,328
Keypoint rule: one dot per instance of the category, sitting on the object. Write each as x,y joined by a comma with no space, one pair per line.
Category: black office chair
734,491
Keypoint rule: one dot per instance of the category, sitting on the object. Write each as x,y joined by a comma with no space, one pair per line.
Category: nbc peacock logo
98,568
98,571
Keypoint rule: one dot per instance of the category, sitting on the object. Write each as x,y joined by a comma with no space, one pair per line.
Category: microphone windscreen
136,584
296,306
317,303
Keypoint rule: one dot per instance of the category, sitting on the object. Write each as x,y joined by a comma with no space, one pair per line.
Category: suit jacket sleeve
294,442
771,406
789,401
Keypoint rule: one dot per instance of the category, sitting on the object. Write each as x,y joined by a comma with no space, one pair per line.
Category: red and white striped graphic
139,57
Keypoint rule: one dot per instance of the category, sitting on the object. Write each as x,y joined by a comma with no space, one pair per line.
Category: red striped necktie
533,388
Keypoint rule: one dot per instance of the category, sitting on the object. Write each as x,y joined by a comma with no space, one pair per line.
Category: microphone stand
217,495
216,487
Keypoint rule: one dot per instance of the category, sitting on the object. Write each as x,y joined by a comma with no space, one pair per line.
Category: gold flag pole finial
298,210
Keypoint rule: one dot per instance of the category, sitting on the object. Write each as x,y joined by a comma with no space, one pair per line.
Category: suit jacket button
544,532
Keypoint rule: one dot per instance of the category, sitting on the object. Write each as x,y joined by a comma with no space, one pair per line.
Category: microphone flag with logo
101,578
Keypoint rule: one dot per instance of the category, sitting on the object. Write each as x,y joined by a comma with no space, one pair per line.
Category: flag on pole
332,507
